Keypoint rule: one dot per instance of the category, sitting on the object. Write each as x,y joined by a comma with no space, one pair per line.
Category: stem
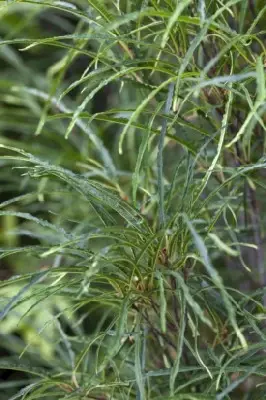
160,154
255,220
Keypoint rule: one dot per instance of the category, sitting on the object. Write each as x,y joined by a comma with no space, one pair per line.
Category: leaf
238,381
180,6
140,378
141,152
24,368
163,302
217,280
180,344
225,121
190,300
223,246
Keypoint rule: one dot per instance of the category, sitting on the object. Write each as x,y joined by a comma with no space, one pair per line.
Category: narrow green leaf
217,280
223,246
180,344
163,302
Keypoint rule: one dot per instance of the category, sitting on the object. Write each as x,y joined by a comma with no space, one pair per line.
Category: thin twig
168,105
255,220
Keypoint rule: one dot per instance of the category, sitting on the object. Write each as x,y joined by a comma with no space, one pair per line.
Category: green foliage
132,199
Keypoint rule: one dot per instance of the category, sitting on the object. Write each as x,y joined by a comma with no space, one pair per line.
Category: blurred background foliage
132,199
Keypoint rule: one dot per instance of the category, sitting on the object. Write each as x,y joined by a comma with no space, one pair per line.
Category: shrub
132,208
